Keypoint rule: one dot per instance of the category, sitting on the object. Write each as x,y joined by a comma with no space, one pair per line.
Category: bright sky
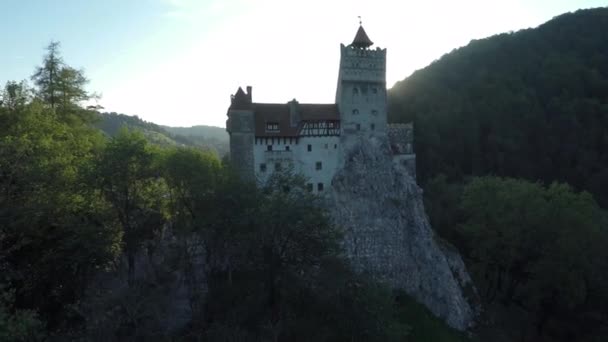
176,62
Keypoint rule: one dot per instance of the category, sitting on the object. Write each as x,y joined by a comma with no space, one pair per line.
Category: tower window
286,147
358,127
355,111
269,148
277,167
309,147
373,126
374,112
355,91
319,166
335,146
272,127
262,167
375,90
320,187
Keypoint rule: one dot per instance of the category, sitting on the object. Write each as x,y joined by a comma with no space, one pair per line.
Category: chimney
294,113
249,95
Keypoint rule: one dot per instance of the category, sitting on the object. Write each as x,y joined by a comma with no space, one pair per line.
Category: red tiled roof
280,113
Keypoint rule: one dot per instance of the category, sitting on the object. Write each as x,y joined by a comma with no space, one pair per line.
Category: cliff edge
387,233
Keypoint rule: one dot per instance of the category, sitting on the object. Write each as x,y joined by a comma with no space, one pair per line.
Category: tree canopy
528,104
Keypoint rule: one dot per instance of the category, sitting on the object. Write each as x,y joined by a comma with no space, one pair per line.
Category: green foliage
529,104
14,95
127,175
541,249
53,234
206,137
271,260
20,325
425,327
59,84
214,138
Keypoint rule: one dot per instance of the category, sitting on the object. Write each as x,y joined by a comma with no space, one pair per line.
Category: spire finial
360,22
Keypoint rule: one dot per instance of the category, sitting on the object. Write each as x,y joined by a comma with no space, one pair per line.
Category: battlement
351,51
357,64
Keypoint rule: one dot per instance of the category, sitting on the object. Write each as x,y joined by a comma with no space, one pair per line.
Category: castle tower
361,91
241,128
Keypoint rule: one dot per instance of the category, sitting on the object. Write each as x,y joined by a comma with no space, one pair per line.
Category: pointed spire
361,39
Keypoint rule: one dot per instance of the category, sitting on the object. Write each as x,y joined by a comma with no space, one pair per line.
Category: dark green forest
511,138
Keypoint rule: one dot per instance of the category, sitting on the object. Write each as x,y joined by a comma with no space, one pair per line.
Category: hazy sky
176,62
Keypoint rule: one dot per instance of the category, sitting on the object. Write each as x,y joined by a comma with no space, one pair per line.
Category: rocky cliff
387,234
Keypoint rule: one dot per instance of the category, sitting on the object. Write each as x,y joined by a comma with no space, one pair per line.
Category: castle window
309,187
358,127
373,127
374,112
277,167
355,111
319,166
272,127
262,167
355,91
320,187
335,146
309,148
286,147
269,148
375,90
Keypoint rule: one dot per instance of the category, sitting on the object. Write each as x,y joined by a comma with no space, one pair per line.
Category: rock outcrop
387,233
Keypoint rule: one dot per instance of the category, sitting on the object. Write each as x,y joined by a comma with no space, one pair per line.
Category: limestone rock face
387,234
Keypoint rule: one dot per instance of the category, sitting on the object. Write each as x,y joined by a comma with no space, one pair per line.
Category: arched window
355,111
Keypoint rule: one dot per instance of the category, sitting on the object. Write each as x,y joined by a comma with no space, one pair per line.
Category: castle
312,139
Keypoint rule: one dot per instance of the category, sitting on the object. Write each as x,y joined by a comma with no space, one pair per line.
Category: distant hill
204,136
530,104
213,138
211,132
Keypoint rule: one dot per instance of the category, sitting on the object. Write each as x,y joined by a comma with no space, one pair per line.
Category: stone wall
240,126
401,140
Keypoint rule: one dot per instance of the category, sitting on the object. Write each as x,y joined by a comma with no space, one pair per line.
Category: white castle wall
323,149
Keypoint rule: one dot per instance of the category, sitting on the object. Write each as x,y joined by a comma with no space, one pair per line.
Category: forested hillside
211,132
213,138
530,104
530,107
203,135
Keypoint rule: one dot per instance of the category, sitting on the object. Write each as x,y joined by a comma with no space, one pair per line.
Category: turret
240,125
361,91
